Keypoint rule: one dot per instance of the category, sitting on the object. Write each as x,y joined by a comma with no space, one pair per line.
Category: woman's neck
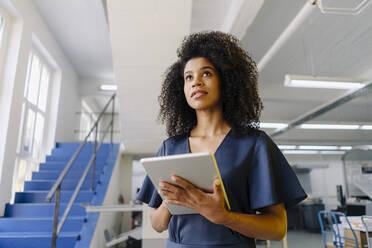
210,123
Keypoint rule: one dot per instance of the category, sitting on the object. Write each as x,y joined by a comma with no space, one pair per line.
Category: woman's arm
270,224
160,218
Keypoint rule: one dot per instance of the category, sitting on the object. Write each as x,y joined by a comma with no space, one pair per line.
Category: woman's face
201,84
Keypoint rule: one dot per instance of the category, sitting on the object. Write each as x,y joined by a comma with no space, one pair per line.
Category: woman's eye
188,77
206,74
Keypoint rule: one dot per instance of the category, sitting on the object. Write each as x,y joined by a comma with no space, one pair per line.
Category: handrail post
94,161
56,189
112,118
55,220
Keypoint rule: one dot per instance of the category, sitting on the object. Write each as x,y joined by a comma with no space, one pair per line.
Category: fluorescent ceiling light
287,147
273,125
300,152
108,87
328,126
366,127
318,147
303,81
332,152
345,147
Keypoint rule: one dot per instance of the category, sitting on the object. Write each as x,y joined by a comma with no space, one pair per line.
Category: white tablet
200,169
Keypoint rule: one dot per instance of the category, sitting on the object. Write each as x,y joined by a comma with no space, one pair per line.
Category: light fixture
310,152
314,147
345,147
366,127
303,81
273,125
318,147
300,152
328,126
287,147
108,87
332,152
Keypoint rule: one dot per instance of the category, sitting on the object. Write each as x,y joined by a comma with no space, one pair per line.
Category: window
33,117
34,107
87,120
1,29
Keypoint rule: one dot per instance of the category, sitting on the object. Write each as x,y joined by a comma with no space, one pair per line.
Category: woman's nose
197,83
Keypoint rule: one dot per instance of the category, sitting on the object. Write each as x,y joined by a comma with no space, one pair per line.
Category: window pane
22,166
1,29
28,74
38,138
29,131
44,84
21,129
34,82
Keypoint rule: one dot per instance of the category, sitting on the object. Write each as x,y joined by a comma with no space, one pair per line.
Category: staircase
28,223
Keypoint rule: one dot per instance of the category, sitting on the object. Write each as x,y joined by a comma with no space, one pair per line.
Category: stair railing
56,189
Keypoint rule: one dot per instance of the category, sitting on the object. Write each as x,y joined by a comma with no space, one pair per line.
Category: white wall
109,220
120,184
27,29
323,181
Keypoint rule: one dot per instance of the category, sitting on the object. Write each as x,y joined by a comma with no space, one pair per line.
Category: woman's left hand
183,193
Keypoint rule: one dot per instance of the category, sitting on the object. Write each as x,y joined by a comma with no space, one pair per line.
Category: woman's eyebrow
204,67
207,67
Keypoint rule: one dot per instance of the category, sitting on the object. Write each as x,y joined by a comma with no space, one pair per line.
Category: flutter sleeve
148,193
271,179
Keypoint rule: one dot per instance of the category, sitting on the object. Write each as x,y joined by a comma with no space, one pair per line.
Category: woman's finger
176,202
183,183
168,186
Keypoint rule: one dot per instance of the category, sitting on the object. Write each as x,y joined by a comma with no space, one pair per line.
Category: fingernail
218,183
173,178
161,184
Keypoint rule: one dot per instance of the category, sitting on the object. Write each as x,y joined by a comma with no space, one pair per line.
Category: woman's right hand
160,218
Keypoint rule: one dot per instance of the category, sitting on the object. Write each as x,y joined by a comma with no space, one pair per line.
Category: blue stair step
67,158
67,184
53,175
85,150
61,166
28,223
42,224
37,239
33,210
39,196
74,145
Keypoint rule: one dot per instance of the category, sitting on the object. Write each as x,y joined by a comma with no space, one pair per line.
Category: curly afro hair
237,73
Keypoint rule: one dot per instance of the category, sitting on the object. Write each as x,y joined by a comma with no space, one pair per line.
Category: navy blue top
255,175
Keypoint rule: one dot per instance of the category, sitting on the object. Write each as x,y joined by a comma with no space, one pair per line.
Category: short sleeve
148,193
271,179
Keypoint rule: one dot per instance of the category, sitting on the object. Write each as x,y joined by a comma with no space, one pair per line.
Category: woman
209,102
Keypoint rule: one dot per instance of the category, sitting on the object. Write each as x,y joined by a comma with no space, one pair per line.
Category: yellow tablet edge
223,187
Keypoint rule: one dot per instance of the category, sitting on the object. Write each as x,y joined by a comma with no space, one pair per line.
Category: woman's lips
198,93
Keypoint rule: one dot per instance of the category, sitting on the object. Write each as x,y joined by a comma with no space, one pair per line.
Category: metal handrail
73,158
81,181
56,189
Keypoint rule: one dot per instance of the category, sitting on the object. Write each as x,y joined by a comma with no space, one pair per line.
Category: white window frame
4,28
86,126
26,104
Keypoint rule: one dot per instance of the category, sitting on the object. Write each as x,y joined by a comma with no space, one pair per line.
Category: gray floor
299,239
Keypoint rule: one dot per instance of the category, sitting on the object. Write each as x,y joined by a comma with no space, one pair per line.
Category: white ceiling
144,36
81,29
